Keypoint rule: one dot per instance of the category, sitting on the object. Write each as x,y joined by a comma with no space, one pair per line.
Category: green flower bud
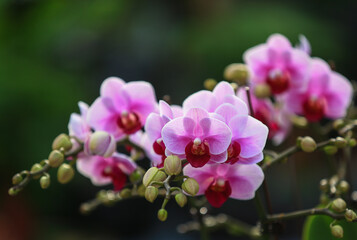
85,208
308,144
55,159
324,185
125,193
350,215
172,165
65,173
153,174
338,205
160,176
337,231
45,181
324,199
209,84
343,186
190,186
352,142
237,72
340,142
162,215
181,199
151,193
62,141
338,124
16,179
35,168
141,190
135,176
330,150
13,191
262,91
299,121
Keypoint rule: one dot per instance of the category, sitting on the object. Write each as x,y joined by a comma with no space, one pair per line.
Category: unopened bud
141,190
330,150
151,193
62,141
262,91
85,208
153,174
324,199
181,199
209,84
13,191
55,159
338,205
343,186
350,215
324,185
135,176
162,215
337,231
65,173
35,168
338,124
340,142
125,193
299,121
172,165
16,179
352,142
308,144
190,186
100,143
45,181
237,72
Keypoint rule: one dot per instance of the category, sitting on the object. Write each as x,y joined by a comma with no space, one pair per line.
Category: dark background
54,53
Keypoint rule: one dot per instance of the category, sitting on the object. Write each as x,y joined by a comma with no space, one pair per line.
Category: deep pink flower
248,135
328,94
276,118
222,181
222,93
122,108
278,64
198,137
154,144
103,171
78,125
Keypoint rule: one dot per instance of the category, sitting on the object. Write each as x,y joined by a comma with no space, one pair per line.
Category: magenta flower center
314,108
197,153
129,122
159,148
117,176
279,81
218,192
233,152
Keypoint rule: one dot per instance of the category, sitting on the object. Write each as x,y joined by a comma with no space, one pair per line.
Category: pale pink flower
122,108
198,137
78,126
218,182
103,171
278,64
328,94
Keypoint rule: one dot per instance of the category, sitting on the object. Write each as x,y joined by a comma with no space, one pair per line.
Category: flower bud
330,150
172,165
55,159
125,193
62,141
65,173
350,215
338,124
13,191
209,84
308,144
141,190
162,215
340,142
299,121
337,231
135,176
151,193
343,186
324,185
262,91
190,186
324,199
35,168
338,205
100,143
237,72
352,142
153,174
16,179
181,199
45,181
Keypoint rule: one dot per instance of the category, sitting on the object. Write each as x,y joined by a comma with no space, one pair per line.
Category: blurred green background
54,53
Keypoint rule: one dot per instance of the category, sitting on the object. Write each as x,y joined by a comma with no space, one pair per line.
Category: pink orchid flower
328,94
122,108
198,137
274,117
153,127
222,93
78,126
222,181
278,64
103,171
248,135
